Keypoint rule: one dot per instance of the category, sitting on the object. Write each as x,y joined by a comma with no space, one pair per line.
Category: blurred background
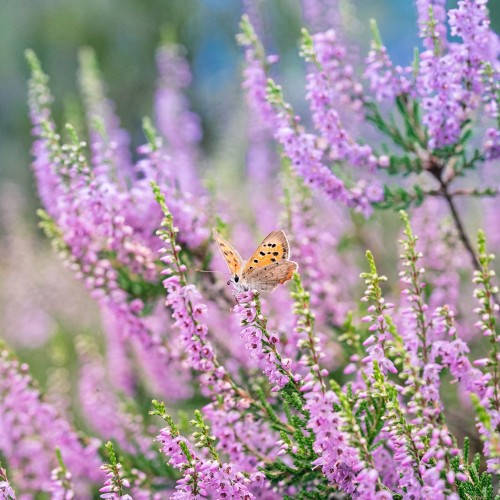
36,294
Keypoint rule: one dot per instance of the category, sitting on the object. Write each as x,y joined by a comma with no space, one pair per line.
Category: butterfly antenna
203,271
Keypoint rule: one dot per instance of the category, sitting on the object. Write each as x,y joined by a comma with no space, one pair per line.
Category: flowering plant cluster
343,384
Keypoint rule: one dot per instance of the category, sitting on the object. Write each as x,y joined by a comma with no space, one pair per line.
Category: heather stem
460,228
203,436
114,468
261,323
486,296
305,323
457,219
416,287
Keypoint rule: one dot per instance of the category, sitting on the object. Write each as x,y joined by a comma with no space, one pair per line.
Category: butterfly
267,268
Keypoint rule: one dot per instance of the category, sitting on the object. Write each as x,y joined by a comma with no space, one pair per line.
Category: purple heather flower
109,143
386,81
236,429
103,410
491,143
471,23
255,81
114,485
257,341
316,230
176,122
32,429
61,486
438,30
321,14
448,82
6,490
338,459
445,100
304,149
330,88
182,300
441,254
203,477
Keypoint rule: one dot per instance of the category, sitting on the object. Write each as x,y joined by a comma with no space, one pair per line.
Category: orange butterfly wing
273,249
267,278
230,254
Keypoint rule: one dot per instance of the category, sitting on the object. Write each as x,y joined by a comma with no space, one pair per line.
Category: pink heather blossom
176,122
379,342
330,88
109,142
321,14
255,83
6,491
114,485
32,429
445,101
203,477
61,487
193,333
448,82
439,15
386,81
492,143
300,147
103,410
471,23
260,343
339,461
314,239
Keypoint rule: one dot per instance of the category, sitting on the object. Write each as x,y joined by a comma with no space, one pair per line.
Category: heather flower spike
62,485
203,477
116,484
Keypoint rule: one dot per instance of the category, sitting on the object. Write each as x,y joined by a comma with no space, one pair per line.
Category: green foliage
52,231
479,484
151,133
307,47
203,437
160,199
111,453
377,39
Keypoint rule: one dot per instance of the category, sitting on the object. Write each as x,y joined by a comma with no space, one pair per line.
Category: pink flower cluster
202,477
31,431
260,343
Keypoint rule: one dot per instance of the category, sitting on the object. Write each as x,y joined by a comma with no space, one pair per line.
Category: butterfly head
238,283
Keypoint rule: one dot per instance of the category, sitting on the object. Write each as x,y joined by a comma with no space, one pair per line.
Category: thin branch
461,231
464,192
437,171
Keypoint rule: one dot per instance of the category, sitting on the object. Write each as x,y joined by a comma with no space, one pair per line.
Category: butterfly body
265,269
